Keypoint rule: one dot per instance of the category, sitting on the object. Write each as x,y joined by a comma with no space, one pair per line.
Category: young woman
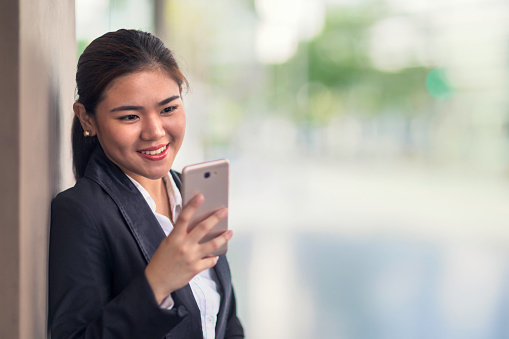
122,263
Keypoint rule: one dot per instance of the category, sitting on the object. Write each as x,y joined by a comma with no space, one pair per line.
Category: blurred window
369,156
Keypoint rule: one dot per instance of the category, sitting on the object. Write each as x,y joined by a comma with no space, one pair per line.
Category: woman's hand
180,256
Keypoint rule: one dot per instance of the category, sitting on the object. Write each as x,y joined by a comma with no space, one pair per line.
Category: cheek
178,128
182,128
113,137
183,125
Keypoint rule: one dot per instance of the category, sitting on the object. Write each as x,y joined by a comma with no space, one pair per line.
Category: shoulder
84,191
83,200
83,216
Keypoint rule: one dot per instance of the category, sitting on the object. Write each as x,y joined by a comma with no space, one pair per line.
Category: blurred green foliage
332,74
81,45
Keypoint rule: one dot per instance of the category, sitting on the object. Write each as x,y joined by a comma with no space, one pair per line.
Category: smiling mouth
155,152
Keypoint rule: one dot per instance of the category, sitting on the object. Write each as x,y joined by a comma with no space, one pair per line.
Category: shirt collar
173,194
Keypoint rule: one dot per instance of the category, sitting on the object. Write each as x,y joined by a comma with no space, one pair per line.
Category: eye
128,117
169,109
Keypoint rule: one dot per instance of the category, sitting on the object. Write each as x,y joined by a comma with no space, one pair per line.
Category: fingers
181,255
214,244
204,227
208,262
187,213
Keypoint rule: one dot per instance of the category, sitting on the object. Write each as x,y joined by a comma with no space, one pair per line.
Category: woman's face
140,123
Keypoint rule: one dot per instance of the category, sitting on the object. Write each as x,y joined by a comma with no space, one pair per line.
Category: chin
153,176
157,175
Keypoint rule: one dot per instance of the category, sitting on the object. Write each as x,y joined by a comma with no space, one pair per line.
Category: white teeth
157,151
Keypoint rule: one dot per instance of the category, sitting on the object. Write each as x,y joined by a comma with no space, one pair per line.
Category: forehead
142,85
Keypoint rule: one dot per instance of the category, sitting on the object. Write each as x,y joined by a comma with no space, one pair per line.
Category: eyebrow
139,108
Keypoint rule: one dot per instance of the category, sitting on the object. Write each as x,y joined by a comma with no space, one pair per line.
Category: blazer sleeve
80,269
234,328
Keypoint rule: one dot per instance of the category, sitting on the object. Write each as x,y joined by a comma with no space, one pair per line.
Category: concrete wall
9,170
37,66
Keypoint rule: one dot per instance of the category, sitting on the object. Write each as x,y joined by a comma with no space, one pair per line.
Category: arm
80,273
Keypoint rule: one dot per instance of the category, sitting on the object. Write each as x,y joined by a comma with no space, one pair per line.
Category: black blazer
103,234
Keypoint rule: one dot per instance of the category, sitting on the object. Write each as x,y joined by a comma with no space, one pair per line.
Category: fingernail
229,234
199,198
223,212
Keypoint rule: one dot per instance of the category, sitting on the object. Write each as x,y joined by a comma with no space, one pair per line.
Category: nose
152,127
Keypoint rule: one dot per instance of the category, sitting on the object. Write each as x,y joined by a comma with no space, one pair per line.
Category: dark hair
106,58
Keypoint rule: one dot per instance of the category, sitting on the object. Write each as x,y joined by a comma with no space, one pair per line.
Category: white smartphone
211,179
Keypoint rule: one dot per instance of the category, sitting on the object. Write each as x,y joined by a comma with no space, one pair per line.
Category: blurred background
368,142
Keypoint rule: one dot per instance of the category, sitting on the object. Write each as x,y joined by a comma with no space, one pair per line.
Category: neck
153,187
157,190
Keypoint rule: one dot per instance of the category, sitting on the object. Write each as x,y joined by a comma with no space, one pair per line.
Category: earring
86,134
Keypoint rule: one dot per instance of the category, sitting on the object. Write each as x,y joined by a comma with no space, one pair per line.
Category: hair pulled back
106,58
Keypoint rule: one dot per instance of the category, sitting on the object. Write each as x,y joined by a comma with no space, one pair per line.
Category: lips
154,150
154,153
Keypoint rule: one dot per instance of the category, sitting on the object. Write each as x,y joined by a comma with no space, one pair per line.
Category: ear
87,121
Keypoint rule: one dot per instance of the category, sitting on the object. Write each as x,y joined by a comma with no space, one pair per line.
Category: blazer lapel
137,214
223,275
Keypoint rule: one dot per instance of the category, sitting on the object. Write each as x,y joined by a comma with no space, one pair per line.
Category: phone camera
206,175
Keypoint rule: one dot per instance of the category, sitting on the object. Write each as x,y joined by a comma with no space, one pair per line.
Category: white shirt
205,284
